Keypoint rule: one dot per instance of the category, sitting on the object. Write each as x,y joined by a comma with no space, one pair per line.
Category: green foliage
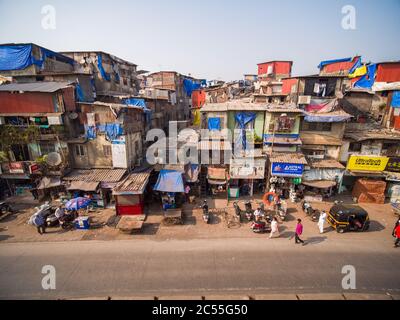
12,135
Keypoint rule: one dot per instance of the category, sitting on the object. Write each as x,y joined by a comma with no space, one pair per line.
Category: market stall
286,172
217,181
247,176
366,179
128,194
170,185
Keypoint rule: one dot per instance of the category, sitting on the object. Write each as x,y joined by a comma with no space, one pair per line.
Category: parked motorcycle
281,210
206,213
5,208
67,221
259,226
310,211
249,211
238,211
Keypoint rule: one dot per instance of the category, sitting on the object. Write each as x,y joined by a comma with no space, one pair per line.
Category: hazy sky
213,39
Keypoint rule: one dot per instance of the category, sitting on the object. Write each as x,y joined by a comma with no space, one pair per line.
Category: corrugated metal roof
381,134
282,140
235,105
320,139
326,164
35,86
296,158
96,175
135,183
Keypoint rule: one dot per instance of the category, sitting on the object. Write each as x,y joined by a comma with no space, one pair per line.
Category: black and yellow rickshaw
345,218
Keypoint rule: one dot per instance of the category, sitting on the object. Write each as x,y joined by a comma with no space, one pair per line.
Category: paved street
197,267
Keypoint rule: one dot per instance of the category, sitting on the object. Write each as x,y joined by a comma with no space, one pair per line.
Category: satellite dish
73,115
53,159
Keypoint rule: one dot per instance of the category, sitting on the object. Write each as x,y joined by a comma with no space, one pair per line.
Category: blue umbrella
77,203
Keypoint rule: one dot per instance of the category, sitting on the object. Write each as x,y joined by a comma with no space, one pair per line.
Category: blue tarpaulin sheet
135,102
18,57
368,80
396,99
315,118
170,181
327,62
243,119
103,73
90,132
190,86
357,65
113,131
79,93
214,123
139,103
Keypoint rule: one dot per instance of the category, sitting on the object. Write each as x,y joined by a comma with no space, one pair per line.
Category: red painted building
275,69
388,72
37,97
339,67
129,194
198,98
288,84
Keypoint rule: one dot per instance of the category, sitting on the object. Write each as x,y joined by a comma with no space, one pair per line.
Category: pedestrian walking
397,236
299,232
187,193
321,221
274,228
40,224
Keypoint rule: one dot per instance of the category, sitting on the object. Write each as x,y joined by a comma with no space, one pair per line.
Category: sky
211,39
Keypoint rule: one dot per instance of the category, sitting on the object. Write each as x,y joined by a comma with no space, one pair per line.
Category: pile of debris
369,191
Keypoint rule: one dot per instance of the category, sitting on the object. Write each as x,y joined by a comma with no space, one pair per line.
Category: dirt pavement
14,228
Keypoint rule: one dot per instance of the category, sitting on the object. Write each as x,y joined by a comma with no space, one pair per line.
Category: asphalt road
196,267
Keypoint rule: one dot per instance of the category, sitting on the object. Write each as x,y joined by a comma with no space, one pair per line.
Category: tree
12,135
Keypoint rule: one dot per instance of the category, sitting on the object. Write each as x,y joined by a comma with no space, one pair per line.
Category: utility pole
269,167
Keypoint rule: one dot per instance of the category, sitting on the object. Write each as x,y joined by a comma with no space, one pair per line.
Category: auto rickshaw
346,218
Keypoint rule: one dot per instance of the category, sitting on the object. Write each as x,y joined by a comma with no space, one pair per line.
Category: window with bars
80,150
317,126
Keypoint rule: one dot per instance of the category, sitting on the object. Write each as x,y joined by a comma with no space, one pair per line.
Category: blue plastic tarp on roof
368,80
135,102
396,99
103,73
170,181
214,123
356,65
139,103
19,57
15,57
189,86
327,62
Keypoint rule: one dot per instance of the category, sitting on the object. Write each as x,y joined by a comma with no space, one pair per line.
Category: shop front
128,194
365,178
217,182
286,172
247,177
171,187
96,184
322,179
392,173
